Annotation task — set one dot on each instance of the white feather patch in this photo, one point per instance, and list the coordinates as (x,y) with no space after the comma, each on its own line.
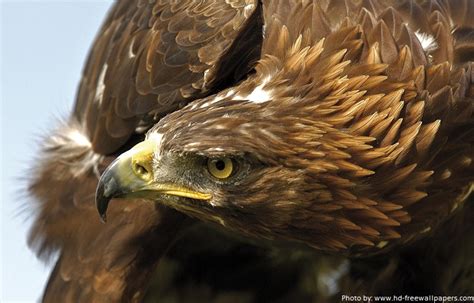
(248,9)
(131,54)
(79,138)
(155,136)
(428,42)
(258,95)
(70,145)
(331,279)
(99,91)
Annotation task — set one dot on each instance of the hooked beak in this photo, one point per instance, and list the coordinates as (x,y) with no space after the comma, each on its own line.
(131,176)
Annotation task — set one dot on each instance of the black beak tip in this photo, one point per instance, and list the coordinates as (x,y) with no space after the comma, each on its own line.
(102,202)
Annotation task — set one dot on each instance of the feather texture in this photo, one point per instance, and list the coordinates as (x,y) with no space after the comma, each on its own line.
(361,113)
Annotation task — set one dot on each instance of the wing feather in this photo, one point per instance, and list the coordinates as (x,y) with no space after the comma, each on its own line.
(150,58)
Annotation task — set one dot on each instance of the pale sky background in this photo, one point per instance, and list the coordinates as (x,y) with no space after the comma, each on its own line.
(43,48)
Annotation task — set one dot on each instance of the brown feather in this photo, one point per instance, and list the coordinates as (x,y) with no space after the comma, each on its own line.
(158,56)
(363,135)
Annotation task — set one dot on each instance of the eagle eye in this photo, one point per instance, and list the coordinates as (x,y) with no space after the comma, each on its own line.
(220,168)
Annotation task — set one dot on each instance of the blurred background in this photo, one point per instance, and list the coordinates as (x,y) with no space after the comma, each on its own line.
(43,47)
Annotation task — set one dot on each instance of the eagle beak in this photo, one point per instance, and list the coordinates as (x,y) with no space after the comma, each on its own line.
(131,176)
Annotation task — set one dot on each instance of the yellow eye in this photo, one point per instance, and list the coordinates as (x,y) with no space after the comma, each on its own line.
(220,168)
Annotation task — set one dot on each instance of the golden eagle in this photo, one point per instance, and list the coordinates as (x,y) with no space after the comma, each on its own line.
(265,151)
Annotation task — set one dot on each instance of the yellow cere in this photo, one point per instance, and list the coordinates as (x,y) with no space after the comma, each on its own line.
(142,160)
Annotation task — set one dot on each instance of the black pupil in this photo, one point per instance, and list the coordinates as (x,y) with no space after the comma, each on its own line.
(220,164)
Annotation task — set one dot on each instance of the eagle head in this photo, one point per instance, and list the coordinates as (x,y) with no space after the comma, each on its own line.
(266,169)
(305,150)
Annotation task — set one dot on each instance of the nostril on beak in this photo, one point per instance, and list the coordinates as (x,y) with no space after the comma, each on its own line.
(142,171)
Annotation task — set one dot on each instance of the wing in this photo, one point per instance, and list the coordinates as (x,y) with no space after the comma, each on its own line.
(97,262)
(152,57)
